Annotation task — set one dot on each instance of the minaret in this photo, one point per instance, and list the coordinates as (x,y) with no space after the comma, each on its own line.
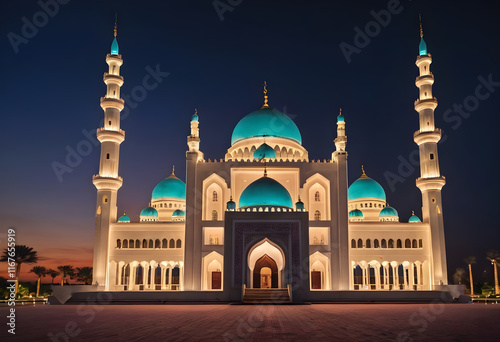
(340,235)
(107,181)
(194,139)
(430,181)
(341,140)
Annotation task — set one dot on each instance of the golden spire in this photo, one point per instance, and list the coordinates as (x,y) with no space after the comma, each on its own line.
(412,213)
(116,19)
(195,111)
(124,212)
(421,30)
(363,171)
(265,105)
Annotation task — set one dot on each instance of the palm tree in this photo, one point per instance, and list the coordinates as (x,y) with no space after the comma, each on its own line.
(459,275)
(52,273)
(66,270)
(494,257)
(84,274)
(23,255)
(469,261)
(40,271)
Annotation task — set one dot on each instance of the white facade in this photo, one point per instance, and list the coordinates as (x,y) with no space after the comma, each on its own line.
(267,216)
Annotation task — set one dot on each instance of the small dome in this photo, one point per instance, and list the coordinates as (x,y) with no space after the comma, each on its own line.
(149,212)
(230,204)
(114,47)
(265,191)
(124,219)
(266,122)
(388,211)
(264,151)
(179,213)
(422,47)
(356,213)
(194,117)
(299,205)
(365,187)
(414,218)
(171,187)
(340,118)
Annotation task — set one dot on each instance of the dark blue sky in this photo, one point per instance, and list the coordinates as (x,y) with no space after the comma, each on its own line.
(51,88)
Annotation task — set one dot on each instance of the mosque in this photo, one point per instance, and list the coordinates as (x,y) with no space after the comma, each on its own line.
(267,219)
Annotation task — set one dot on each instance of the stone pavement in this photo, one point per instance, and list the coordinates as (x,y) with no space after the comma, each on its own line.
(319,322)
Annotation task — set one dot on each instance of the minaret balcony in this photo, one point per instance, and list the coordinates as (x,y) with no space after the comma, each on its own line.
(108,102)
(112,79)
(426,104)
(424,80)
(431,183)
(104,135)
(116,59)
(427,137)
(424,59)
(107,183)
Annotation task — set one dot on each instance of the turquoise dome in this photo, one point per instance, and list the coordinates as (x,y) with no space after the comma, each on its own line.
(299,205)
(264,151)
(414,218)
(171,187)
(194,117)
(388,211)
(179,213)
(356,213)
(266,122)
(149,212)
(422,47)
(124,219)
(340,118)
(265,191)
(231,205)
(365,187)
(114,47)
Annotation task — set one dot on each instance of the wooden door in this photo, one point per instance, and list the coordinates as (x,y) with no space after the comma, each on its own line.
(216,280)
(316,280)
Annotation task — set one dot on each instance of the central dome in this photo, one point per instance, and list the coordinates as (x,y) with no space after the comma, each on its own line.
(265,191)
(171,187)
(266,122)
(365,187)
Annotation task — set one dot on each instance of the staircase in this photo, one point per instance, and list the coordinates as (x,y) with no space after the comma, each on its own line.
(266,296)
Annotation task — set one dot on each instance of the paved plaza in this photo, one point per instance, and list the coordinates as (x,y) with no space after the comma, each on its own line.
(319,322)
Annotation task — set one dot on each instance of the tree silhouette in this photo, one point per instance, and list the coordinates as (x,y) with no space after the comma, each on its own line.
(494,257)
(66,270)
(40,271)
(23,255)
(84,274)
(52,273)
(469,261)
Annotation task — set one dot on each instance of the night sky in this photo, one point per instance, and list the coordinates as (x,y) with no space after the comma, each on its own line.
(51,88)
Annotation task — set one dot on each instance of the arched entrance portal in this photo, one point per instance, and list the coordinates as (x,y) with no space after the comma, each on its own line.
(266,262)
(265,273)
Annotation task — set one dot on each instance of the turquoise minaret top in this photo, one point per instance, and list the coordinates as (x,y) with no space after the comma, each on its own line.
(114,45)
(422,47)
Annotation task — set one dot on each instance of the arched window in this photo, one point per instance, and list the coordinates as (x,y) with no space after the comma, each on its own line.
(144,243)
(317,215)
(384,243)
(118,243)
(157,243)
(175,275)
(414,244)
(407,243)
(214,196)
(137,244)
(376,244)
(420,243)
(170,205)
(139,275)
(353,243)
(368,243)
(217,240)
(178,244)
(164,243)
(125,243)
(360,243)
(391,243)
(371,205)
(131,243)
(171,243)
(211,240)
(214,215)
(399,244)
(316,197)
(161,205)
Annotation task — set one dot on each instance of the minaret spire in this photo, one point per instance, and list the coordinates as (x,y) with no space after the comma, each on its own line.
(115,29)
(421,30)
(341,140)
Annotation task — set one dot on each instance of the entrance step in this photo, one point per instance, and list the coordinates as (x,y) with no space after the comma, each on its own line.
(266,296)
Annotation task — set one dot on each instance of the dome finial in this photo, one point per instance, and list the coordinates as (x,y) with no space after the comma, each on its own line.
(412,213)
(173,170)
(363,170)
(116,19)
(265,105)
